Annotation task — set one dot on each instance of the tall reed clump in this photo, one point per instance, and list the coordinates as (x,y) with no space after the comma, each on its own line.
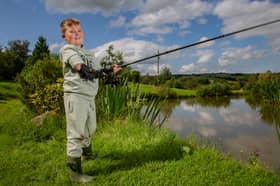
(122,102)
(271,90)
(265,86)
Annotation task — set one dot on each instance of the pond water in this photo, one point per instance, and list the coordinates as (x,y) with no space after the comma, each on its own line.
(237,127)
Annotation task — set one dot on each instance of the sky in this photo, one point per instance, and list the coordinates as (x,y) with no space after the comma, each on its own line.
(141,28)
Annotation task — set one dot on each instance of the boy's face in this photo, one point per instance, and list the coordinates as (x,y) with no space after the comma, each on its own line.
(74,35)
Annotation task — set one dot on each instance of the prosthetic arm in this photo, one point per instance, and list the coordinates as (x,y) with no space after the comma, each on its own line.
(89,73)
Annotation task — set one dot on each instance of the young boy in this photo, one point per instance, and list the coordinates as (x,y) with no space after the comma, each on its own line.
(81,72)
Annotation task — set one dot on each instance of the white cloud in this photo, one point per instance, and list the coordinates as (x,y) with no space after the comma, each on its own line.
(184,24)
(235,55)
(118,22)
(156,13)
(203,70)
(55,46)
(275,44)
(207,44)
(184,32)
(151,30)
(106,7)
(204,56)
(202,21)
(154,6)
(178,12)
(152,69)
(238,14)
(160,39)
(187,68)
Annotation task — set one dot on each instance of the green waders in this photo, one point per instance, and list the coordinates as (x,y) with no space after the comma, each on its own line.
(75,171)
(88,154)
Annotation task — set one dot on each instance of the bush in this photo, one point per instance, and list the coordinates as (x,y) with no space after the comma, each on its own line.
(50,98)
(36,81)
(214,90)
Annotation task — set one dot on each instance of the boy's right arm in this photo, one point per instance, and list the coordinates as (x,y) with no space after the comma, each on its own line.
(89,73)
(69,55)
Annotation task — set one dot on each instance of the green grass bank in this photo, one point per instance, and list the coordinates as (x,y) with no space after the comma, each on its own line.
(128,154)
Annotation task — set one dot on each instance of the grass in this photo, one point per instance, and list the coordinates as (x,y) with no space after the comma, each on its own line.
(128,154)
(8,90)
(155,90)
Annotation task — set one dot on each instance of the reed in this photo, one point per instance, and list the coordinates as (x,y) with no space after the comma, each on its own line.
(122,102)
(266,87)
(271,90)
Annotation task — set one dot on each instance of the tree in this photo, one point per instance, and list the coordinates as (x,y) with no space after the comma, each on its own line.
(7,65)
(20,50)
(165,75)
(112,58)
(135,76)
(40,52)
(108,60)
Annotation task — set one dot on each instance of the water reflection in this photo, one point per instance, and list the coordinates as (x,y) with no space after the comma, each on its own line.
(240,126)
(268,112)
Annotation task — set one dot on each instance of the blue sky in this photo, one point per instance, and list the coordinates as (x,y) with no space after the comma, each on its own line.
(139,28)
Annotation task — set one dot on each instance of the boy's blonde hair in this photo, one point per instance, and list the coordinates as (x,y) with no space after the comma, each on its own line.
(66,23)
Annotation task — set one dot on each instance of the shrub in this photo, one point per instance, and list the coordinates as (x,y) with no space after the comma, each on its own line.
(214,90)
(50,98)
(36,80)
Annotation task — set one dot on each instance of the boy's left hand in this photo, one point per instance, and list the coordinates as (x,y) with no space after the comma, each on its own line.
(116,68)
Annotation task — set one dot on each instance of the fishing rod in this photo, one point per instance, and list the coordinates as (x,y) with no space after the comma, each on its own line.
(201,42)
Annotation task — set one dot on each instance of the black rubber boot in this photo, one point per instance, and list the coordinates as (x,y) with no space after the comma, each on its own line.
(88,154)
(76,175)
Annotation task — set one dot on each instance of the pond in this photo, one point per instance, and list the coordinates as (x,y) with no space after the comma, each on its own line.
(239,127)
